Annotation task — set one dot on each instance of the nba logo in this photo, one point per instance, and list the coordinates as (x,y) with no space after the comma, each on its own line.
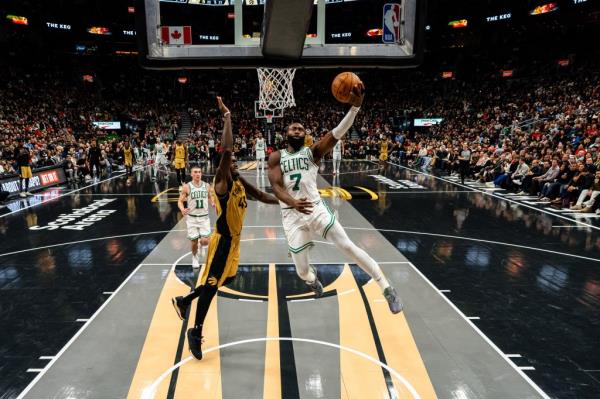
(391,23)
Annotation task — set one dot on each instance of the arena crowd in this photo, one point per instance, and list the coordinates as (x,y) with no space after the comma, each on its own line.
(536,135)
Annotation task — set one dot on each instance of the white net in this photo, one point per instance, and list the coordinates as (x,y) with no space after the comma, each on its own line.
(276,90)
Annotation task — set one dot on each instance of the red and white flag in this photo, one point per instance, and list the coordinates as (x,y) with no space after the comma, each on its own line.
(176,35)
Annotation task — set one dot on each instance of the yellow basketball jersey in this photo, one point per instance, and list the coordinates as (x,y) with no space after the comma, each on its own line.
(308,140)
(179,152)
(128,154)
(384,147)
(231,209)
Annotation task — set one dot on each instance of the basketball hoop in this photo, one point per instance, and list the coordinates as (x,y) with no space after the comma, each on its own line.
(276,90)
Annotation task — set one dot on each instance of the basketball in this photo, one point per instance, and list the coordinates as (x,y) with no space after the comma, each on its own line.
(342,85)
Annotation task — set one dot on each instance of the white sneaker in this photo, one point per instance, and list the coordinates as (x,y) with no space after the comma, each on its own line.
(22,194)
(195,262)
(27,193)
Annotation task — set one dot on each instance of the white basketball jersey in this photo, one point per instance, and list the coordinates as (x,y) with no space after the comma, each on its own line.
(337,149)
(160,149)
(299,175)
(260,145)
(197,200)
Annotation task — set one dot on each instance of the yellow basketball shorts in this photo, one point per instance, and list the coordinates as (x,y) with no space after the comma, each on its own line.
(383,156)
(26,172)
(179,163)
(222,260)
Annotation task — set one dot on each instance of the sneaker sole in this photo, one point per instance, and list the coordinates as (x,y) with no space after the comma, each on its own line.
(174,302)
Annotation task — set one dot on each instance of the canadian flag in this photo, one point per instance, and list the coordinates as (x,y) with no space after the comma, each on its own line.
(175,35)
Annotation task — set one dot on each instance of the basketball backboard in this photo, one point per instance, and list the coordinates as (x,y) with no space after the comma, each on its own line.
(227,33)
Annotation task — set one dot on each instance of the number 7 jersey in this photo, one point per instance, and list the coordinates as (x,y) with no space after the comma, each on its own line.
(299,175)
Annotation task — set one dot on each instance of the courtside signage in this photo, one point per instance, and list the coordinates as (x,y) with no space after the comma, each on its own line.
(397,184)
(80,218)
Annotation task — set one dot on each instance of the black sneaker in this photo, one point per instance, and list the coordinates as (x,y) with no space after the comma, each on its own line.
(393,300)
(180,307)
(316,285)
(195,343)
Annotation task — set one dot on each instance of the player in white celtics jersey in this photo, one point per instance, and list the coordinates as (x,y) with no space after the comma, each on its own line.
(293,176)
(198,196)
(337,156)
(259,149)
(160,158)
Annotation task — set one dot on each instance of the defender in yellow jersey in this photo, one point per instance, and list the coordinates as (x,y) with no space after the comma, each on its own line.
(179,162)
(128,157)
(224,247)
(384,147)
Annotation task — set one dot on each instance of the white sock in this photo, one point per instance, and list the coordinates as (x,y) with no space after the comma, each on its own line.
(303,268)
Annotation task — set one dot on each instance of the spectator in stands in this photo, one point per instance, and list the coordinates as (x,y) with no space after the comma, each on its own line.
(588,196)
(549,176)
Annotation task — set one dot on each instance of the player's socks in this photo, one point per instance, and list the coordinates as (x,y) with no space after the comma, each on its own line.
(195,261)
(382,282)
(315,285)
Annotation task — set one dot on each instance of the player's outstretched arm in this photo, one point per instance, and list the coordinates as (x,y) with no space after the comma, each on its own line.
(258,194)
(326,144)
(276,179)
(223,177)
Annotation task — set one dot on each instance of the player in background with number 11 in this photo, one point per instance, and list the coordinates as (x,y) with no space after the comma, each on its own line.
(197,194)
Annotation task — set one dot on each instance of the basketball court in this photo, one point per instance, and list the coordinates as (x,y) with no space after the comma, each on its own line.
(485,276)
(109,292)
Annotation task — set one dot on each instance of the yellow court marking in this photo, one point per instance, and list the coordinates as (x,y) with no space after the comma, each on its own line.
(373,195)
(399,347)
(202,379)
(359,378)
(272,380)
(157,196)
(160,348)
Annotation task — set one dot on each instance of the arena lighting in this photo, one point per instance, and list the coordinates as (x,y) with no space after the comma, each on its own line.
(459,23)
(230,15)
(88,78)
(447,74)
(374,32)
(507,73)
(182,79)
(564,62)
(544,9)
(131,9)
(99,30)
(17,20)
